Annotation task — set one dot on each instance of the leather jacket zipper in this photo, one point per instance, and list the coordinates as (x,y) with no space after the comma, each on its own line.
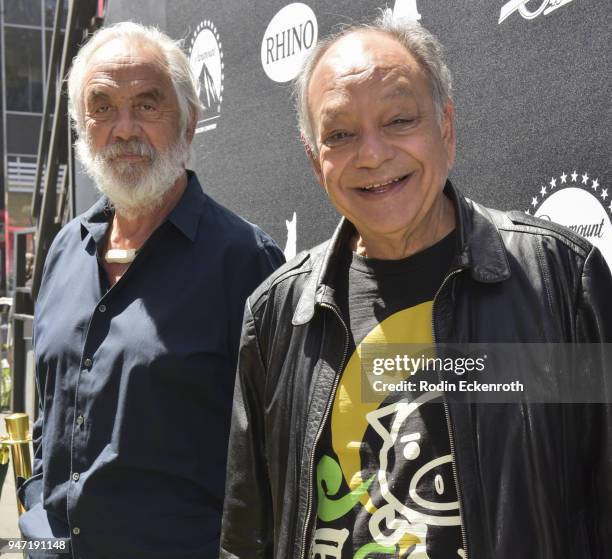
(321,427)
(449,427)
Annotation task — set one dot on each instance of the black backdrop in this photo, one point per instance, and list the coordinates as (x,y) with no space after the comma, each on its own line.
(531,88)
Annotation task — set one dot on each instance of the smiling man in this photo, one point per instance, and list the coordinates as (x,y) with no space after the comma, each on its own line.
(318,470)
(137,321)
(383,164)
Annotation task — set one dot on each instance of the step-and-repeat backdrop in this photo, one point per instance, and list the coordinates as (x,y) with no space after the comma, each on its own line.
(531,88)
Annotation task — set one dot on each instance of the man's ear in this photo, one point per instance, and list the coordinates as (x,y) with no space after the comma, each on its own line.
(447,127)
(314,160)
(190,132)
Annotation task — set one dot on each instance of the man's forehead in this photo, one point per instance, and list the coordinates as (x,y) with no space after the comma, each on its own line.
(127,63)
(125,50)
(362,53)
(358,58)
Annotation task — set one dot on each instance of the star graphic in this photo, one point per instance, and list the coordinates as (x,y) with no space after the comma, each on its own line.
(604,193)
(534,201)
(529,213)
(543,191)
(574,176)
(585,178)
(563,178)
(595,184)
(553,183)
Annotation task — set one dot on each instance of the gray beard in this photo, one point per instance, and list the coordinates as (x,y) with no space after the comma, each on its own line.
(133,188)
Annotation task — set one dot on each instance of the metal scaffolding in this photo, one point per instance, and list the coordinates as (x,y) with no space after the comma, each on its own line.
(53,200)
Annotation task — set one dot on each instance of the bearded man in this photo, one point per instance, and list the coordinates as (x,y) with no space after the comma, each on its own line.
(138,319)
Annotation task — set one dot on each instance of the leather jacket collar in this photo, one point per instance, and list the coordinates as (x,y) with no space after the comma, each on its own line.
(479,248)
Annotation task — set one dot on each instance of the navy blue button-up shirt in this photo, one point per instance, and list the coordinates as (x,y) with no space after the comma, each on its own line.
(136,380)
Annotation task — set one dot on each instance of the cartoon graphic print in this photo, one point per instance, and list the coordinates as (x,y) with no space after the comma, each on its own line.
(390,479)
(415,494)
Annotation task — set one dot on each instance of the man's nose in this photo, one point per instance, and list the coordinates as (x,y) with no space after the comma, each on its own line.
(126,125)
(373,149)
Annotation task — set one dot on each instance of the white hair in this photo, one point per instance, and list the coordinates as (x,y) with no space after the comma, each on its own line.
(417,40)
(182,78)
(131,189)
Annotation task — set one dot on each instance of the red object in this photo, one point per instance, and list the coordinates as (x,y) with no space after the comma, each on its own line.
(9,236)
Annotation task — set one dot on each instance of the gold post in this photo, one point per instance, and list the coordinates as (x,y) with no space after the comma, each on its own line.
(17,425)
(4,453)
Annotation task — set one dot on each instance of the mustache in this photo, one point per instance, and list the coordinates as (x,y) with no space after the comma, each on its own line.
(127,147)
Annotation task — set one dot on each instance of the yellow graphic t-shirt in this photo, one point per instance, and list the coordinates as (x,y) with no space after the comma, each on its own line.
(384,478)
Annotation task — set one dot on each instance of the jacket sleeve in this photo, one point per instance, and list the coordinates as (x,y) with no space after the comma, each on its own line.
(594,325)
(594,312)
(247,516)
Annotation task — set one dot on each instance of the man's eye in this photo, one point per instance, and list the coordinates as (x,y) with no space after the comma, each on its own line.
(337,137)
(147,108)
(401,121)
(102,109)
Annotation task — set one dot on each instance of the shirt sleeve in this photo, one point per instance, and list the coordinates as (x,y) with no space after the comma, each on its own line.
(30,490)
(249,275)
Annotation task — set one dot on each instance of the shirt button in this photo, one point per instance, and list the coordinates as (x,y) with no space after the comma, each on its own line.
(102,308)
(75,476)
(79,420)
(88,362)
(76,530)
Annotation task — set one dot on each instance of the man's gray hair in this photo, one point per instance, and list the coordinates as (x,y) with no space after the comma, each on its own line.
(177,64)
(419,42)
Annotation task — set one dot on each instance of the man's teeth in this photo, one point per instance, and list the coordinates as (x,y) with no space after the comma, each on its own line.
(371,186)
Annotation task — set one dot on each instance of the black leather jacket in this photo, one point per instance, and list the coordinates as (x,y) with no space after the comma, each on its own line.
(534,481)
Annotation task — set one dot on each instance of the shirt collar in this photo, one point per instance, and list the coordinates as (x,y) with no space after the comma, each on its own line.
(94,222)
(185,216)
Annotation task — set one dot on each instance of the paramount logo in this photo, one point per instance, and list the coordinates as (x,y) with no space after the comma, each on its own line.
(580,203)
(586,230)
(206,61)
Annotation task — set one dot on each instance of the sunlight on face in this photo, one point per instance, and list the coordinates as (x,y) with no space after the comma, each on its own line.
(384,155)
